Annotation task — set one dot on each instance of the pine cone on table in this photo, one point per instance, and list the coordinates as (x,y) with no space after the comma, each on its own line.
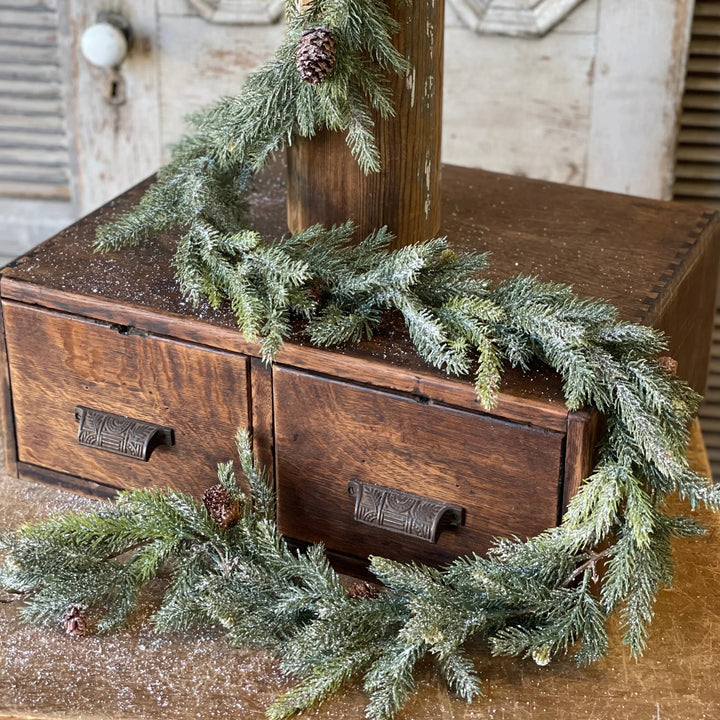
(75,621)
(315,54)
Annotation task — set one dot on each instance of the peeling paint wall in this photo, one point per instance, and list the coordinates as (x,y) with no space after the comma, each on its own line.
(594,102)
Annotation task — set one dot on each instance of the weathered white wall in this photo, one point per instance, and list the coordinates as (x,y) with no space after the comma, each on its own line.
(594,102)
(521,105)
(116,144)
(639,74)
(214,64)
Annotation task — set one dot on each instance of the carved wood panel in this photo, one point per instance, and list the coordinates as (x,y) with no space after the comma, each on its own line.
(240,12)
(513,17)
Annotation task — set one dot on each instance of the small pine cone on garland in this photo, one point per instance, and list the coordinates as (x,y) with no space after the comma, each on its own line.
(668,364)
(315,54)
(221,506)
(363,590)
(75,620)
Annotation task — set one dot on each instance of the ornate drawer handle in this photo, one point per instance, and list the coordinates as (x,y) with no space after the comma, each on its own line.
(121,435)
(403,512)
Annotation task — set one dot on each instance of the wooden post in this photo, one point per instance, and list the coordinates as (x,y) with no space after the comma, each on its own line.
(325,184)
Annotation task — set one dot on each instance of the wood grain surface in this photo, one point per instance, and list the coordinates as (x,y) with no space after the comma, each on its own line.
(636,253)
(507,477)
(387,361)
(326,185)
(58,362)
(637,80)
(7,420)
(262,426)
(584,429)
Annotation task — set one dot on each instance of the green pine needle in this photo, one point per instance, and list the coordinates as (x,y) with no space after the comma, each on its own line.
(536,598)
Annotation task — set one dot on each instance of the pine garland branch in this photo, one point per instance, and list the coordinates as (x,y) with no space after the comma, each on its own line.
(535,598)
(522,597)
(210,170)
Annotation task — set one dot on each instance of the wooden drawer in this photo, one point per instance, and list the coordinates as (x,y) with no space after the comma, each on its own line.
(507,477)
(62,362)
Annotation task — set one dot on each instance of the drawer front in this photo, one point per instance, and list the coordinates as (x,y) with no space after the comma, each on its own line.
(506,477)
(58,362)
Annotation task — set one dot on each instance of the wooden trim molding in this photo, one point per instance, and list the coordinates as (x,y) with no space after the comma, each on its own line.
(7,416)
(240,12)
(513,17)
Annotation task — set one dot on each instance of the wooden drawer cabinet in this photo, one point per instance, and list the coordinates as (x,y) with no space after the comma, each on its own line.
(62,362)
(372,451)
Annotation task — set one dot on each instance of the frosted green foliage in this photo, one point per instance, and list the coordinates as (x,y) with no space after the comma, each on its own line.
(208,176)
(340,290)
(535,598)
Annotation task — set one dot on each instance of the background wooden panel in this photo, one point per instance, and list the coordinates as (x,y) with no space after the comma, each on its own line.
(506,476)
(61,362)
(215,63)
(116,145)
(26,221)
(526,109)
(240,11)
(36,157)
(31,207)
(591,103)
(513,17)
(697,170)
(639,74)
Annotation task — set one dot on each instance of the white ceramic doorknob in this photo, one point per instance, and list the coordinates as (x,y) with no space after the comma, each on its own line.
(104,45)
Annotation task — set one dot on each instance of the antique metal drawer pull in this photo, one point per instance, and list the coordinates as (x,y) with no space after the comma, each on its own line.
(122,435)
(403,512)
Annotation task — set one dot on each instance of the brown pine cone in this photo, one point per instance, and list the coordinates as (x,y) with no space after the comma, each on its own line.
(362,590)
(75,620)
(315,54)
(668,364)
(221,506)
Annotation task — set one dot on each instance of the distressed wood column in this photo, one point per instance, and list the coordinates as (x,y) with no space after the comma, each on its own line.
(325,184)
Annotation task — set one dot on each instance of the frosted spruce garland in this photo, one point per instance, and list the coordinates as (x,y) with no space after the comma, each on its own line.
(536,598)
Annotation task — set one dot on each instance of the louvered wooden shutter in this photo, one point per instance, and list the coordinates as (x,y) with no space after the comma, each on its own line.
(698,155)
(697,173)
(34,156)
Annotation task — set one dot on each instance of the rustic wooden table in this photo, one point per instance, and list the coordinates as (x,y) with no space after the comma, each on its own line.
(138,674)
